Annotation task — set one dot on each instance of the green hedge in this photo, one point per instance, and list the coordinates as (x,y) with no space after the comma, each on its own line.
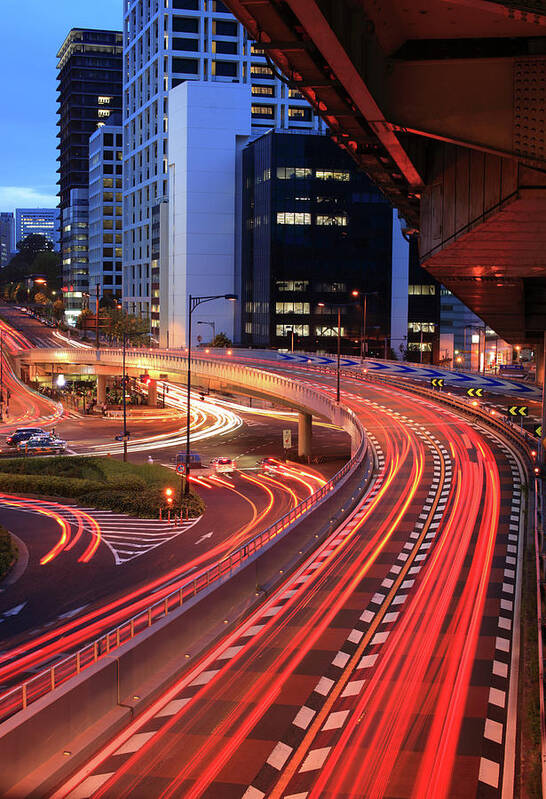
(98,482)
(8,551)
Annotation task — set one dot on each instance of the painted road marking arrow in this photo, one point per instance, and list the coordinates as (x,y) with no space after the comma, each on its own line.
(14,611)
(204,538)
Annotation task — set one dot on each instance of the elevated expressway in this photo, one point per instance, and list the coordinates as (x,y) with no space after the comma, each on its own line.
(443,105)
(384,664)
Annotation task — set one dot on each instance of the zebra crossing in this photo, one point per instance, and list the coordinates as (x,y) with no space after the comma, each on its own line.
(129,538)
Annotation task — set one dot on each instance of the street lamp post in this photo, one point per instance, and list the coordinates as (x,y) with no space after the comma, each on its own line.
(364,299)
(1,375)
(211,324)
(322,305)
(193,303)
(124,400)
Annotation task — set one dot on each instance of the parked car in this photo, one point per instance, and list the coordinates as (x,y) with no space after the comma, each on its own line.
(42,445)
(23,434)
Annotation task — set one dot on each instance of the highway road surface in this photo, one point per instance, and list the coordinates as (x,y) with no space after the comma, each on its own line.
(385,665)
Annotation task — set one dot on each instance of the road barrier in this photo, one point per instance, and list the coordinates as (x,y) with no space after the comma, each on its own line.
(43,683)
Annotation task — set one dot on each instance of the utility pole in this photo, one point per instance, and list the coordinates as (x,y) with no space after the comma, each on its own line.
(97,318)
(1,375)
(338,350)
(124,388)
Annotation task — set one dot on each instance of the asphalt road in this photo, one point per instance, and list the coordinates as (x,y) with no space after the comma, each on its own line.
(384,666)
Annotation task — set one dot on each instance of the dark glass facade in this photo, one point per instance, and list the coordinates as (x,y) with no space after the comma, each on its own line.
(314,230)
(89,91)
(423,311)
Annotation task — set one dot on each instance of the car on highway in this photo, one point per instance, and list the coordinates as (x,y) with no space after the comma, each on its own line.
(42,445)
(23,434)
(223,464)
(269,464)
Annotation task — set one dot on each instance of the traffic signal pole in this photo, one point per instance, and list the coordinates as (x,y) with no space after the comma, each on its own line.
(543,448)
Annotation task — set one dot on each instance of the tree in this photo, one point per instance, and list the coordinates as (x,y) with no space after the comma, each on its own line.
(31,245)
(58,310)
(80,321)
(221,340)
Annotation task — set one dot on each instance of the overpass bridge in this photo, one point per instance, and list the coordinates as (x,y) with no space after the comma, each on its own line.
(443,105)
(208,373)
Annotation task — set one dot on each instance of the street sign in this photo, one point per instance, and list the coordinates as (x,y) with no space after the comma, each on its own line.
(475,392)
(122,437)
(538,431)
(517,410)
(287,439)
(437,382)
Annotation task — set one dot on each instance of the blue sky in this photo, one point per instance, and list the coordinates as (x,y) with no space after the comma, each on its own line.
(31,32)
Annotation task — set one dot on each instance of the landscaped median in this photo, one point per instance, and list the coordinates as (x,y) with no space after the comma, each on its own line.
(138,490)
(8,551)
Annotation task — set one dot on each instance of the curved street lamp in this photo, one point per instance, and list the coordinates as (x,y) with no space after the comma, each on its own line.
(193,303)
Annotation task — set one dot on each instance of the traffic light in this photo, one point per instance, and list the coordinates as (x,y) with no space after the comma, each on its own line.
(169,496)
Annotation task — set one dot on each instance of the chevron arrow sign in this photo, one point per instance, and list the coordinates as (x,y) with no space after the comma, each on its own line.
(517,410)
(475,392)
(437,382)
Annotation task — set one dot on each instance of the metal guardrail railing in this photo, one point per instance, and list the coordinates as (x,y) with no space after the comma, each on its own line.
(29,691)
(540,579)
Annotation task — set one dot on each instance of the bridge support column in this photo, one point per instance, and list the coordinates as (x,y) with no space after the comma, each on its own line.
(101,389)
(539,361)
(152,394)
(305,432)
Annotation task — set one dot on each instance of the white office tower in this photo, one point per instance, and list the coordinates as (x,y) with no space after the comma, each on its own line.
(105,210)
(166,43)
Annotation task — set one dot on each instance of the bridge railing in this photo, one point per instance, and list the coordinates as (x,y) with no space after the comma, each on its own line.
(43,683)
(249,377)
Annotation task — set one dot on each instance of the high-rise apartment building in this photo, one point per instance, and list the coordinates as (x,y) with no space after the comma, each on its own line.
(89,91)
(166,44)
(39,221)
(105,209)
(7,237)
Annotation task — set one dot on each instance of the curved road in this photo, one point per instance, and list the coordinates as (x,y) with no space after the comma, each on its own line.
(383,666)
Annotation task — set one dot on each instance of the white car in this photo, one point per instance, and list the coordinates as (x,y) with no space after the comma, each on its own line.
(223,464)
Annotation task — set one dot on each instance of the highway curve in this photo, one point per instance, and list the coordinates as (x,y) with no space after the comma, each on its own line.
(385,666)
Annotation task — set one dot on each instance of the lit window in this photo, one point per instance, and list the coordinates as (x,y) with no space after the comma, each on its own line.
(287,330)
(323,174)
(104,100)
(294,94)
(289,218)
(328,331)
(264,91)
(425,290)
(421,327)
(103,113)
(292,285)
(263,71)
(338,220)
(262,110)
(287,172)
(292,307)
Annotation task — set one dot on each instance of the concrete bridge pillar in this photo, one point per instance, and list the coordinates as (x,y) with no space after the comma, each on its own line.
(305,432)
(152,394)
(101,389)
(539,360)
